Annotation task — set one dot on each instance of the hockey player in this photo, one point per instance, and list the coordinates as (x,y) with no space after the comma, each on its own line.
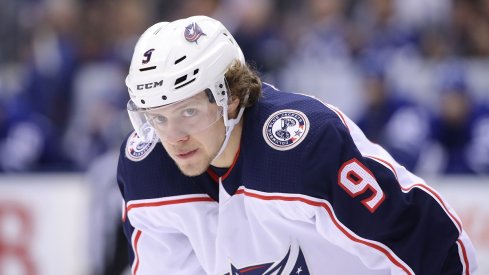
(226,175)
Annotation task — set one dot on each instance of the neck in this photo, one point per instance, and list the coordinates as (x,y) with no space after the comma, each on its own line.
(225,160)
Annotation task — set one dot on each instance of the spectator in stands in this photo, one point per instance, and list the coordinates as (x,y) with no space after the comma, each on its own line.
(388,118)
(30,143)
(459,127)
(321,62)
(380,28)
(260,36)
(470,28)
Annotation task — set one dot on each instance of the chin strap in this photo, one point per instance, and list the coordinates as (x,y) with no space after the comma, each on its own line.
(230,123)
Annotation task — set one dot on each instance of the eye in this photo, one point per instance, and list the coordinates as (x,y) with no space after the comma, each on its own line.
(159,119)
(189,112)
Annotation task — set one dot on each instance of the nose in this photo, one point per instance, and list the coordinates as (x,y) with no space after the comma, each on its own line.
(173,134)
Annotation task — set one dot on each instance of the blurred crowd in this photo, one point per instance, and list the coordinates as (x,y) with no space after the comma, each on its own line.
(413,74)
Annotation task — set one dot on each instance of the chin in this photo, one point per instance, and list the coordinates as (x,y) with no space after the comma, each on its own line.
(192,170)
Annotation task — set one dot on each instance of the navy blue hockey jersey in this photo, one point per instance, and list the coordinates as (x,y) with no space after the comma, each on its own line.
(307,193)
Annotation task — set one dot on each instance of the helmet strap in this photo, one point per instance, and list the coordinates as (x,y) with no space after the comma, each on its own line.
(230,123)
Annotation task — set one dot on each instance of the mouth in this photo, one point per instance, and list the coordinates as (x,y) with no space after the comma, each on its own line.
(187,154)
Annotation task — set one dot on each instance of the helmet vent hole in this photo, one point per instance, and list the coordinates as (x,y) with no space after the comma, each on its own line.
(196,71)
(164,97)
(186,83)
(180,59)
(180,79)
(142,101)
(147,68)
(223,93)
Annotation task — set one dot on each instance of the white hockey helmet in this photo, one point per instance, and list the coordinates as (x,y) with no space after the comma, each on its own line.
(174,61)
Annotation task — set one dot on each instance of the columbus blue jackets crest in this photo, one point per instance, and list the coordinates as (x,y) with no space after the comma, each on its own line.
(193,32)
(137,149)
(285,129)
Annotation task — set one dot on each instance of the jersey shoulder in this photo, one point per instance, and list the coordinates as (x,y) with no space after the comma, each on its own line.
(296,143)
(146,171)
(275,100)
(288,119)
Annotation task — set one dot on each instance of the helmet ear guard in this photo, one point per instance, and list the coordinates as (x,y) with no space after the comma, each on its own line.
(221,92)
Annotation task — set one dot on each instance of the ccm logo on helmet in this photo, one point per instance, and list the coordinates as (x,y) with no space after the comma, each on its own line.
(149,85)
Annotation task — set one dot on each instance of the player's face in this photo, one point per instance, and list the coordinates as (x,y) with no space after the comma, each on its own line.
(191,149)
(194,153)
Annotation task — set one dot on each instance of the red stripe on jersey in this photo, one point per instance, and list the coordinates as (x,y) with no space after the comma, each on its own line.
(333,219)
(251,268)
(155,204)
(232,165)
(340,115)
(168,202)
(386,163)
(428,189)
(432,192)
(464,253)
(213,174)
(124,211)
(136,253)
(424,187)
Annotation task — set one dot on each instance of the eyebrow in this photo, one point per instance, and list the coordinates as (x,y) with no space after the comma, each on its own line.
(171,109)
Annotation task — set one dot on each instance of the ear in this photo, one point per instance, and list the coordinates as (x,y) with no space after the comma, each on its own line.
(233,107)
